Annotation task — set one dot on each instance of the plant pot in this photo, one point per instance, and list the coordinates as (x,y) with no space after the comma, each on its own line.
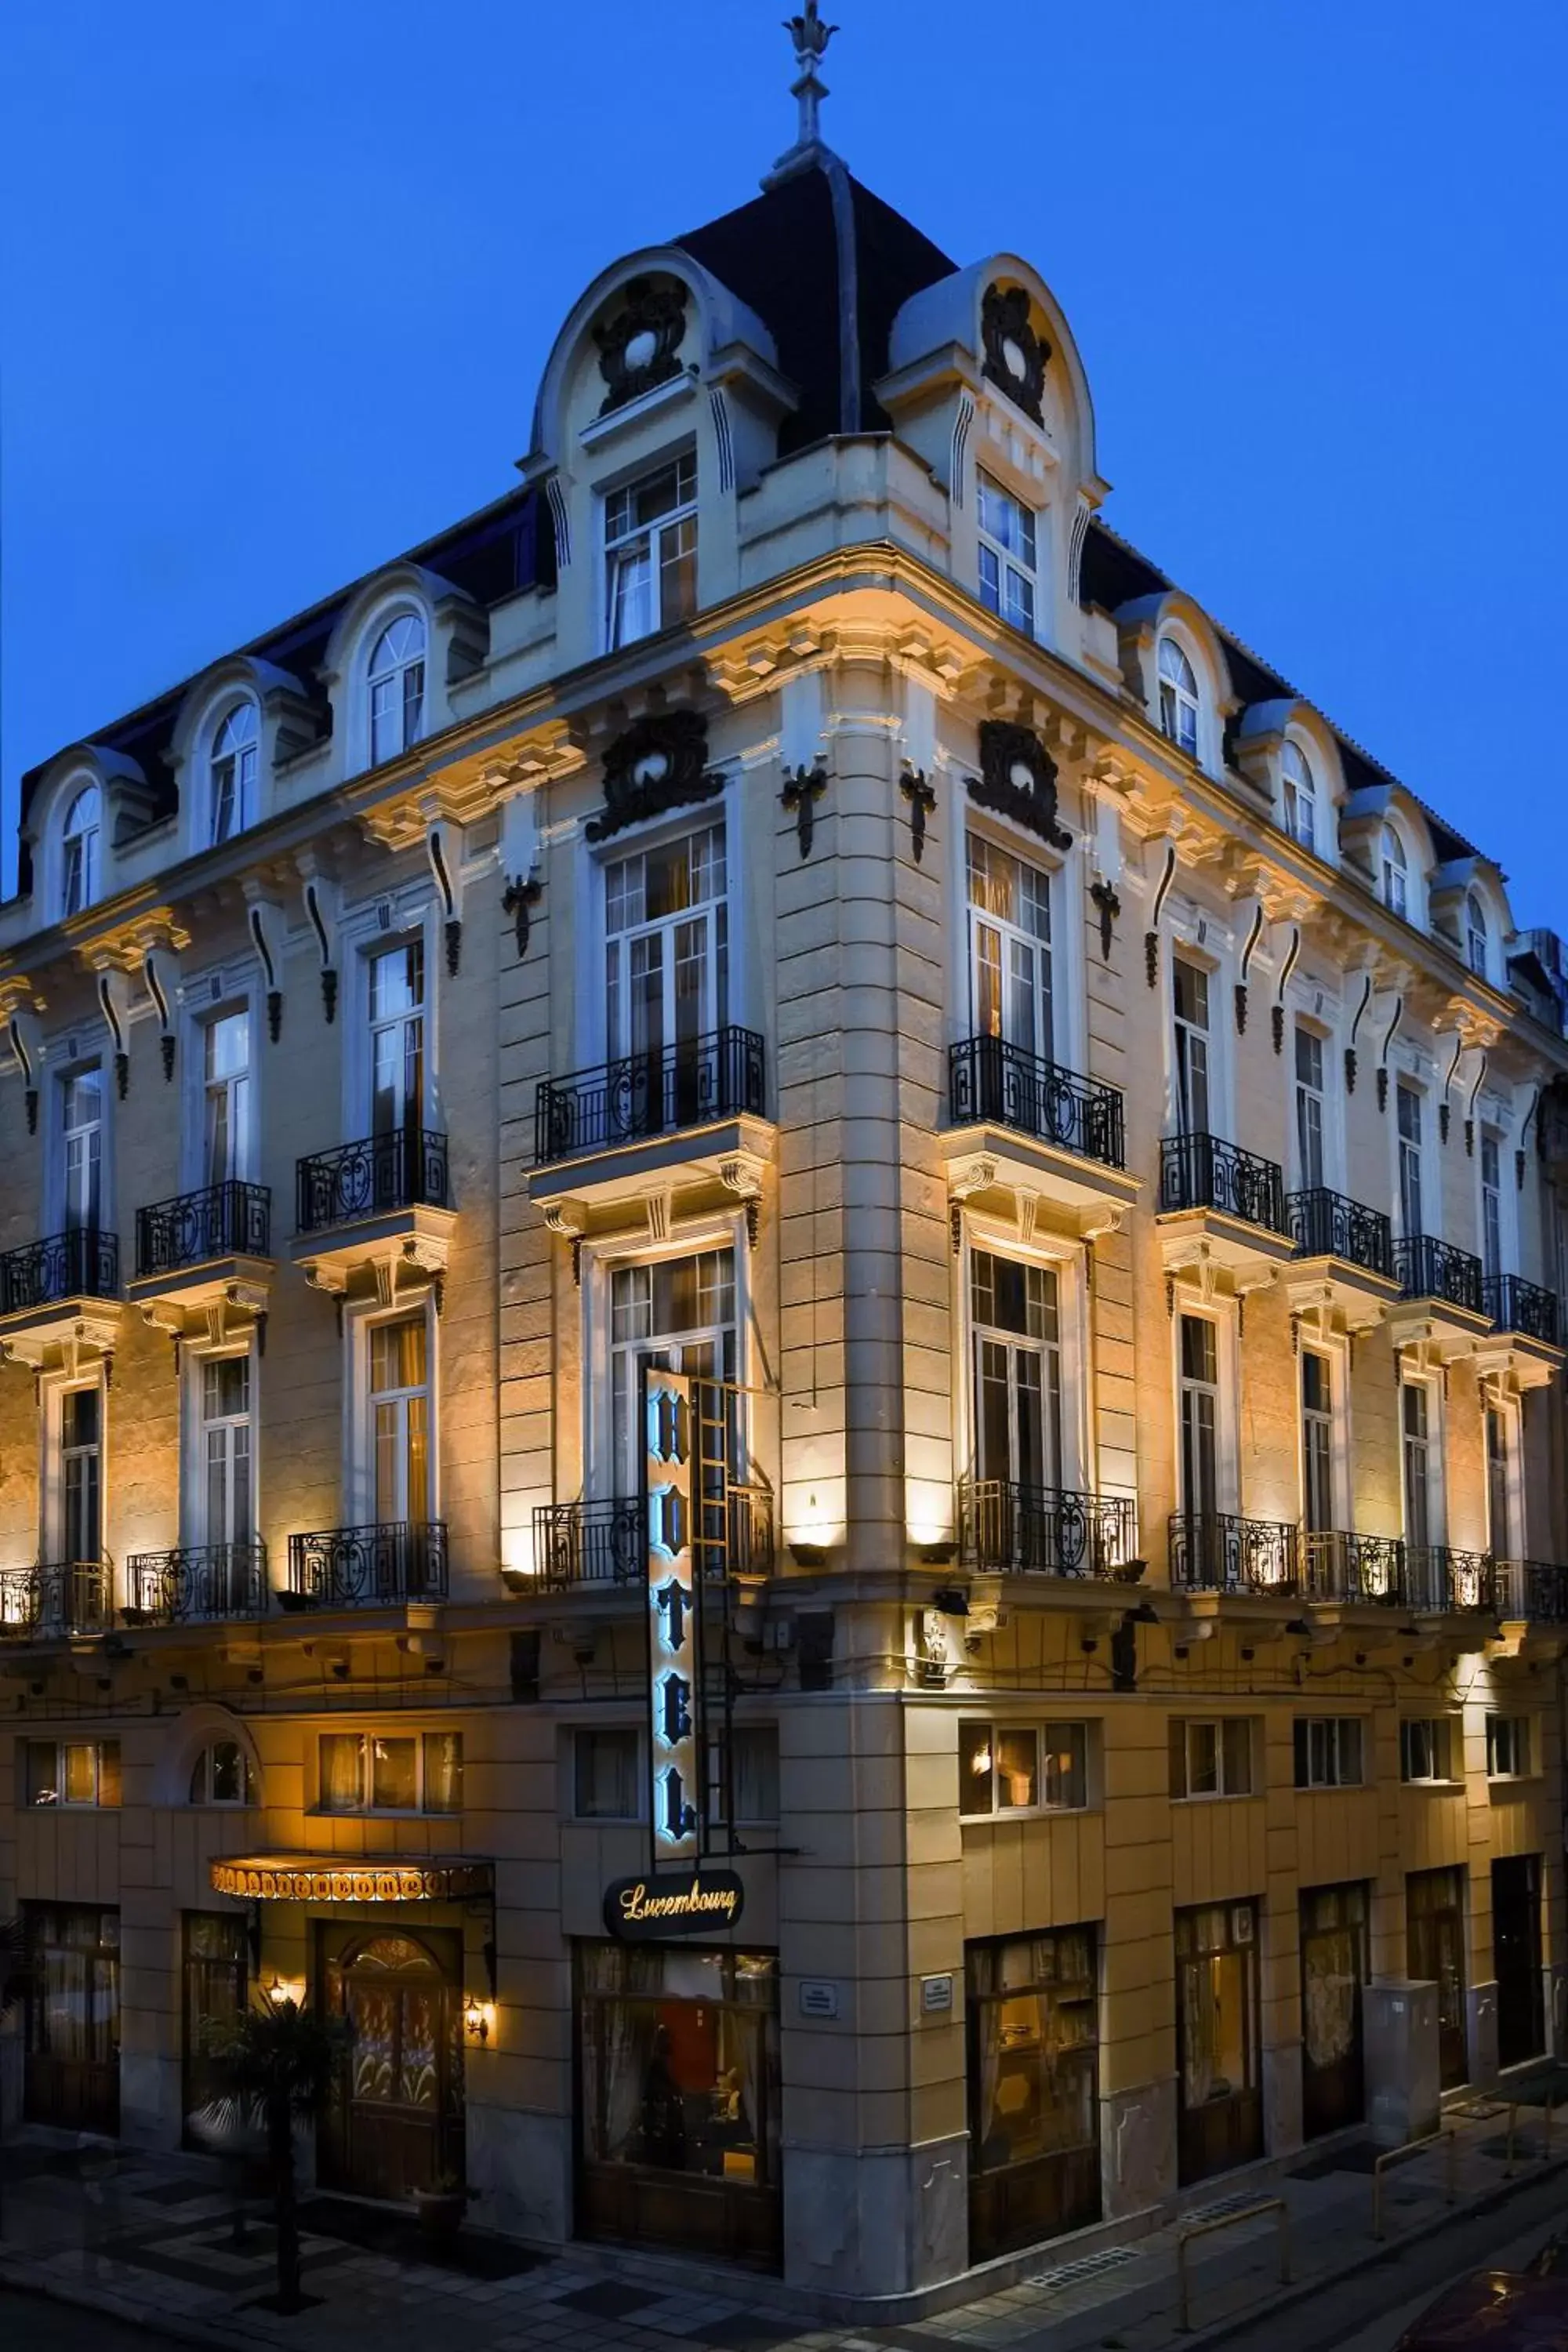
(440,2213)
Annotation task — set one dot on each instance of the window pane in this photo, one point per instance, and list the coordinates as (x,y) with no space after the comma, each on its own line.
(42,1780)
(1203,1759)
(81,1774)
(393,1775)
(342,1757)
(1018,1770)
(606,1775)
(1065,1765)
(227,1765)
(443,1772)
(1238,1738)
(976,1768)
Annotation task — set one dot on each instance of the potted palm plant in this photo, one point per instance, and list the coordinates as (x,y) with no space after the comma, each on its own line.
(280,2062)
(441,2208)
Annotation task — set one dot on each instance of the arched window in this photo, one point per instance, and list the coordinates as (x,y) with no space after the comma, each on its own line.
(235,748)
(221,1775)
(1300,797)
(78,844)
(396,687)
(1475,935)
(1178,697)
(1395,872)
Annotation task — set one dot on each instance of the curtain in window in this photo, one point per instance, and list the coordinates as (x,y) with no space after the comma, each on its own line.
(342,1771)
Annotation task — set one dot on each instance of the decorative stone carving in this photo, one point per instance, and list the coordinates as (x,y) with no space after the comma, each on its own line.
(1104,895)
(637,347)
(519,899)
(1018,779)
(1015,356)
(659,763)
(804,787)
(921,797)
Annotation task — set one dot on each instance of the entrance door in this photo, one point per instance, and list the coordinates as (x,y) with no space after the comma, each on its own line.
(1220,2118)
(71,2075)
(1516,1958)
(1434,1954)
(1334,1970)
(395,2122)
(1034,2104)
(216,1979)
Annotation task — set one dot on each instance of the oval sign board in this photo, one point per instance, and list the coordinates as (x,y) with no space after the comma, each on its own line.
(672,1903)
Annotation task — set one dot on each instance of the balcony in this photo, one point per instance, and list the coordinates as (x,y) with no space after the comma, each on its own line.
(1341,1565)
(600,1544)
(1217,1552)
(1221,1206)
(1441,1582)
(1019,1124)
(1527,1336)
(1344,1254)
(378,1567)
(382,1201)
(63,1601)
(1005,1529)
(690,1113)
(1533,1591)
(203,1251)
(1441,1304)
(64,1287)
(196,1584)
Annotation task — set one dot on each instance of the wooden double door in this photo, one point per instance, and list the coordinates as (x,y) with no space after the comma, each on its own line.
(395,2123)
(1434,1954)
(1516,1958)
(71,2074)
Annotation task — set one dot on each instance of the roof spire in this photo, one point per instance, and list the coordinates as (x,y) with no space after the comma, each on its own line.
(811,37)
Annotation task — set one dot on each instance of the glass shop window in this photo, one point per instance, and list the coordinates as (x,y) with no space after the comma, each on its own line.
(680,2061)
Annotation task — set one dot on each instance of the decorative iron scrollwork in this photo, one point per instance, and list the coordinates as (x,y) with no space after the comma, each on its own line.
(1018,779)
(1015,356)
(804,787)
(519,899)
(921,794)
(637,347)
(661,762)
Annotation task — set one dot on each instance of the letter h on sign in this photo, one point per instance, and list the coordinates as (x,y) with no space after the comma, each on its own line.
(675,1727)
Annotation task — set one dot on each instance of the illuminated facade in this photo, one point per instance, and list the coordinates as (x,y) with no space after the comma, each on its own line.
(786,893)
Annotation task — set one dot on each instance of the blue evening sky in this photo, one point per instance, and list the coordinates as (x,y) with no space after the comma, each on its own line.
(279,279)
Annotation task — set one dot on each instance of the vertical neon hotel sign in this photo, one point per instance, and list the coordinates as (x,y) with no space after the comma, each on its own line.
(675,1748)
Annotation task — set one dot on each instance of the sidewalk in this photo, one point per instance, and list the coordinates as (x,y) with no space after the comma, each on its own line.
(149,2238)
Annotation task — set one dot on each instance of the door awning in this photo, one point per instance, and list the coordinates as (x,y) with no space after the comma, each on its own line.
(324,1878)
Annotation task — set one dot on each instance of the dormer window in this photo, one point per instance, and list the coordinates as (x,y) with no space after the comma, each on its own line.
(1178,698)
(235,748)
(1008,560)
(1300,797)
(78,844)
(397,688)
(1475,935)
(650,552)
(1395,873)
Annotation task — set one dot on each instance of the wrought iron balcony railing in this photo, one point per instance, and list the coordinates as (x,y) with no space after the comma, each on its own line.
(368,1568)
(603,1541)
(680,1086)
(231,1220)
(1341,1565)
(1204,1171)
(1217,1552)
(1325,1225)
(989,1079)
(1532,1589)
(1515,1305)
(56,1601)
(403,1170)
(1429,1268)
(83,1263)
(1439,1581)
(196,1584)
(1008,1529)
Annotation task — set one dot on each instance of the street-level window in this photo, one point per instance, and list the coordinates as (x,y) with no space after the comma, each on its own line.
(1220,2120)
(1034,2120)
(1178,697)
(364,1771)
(606,1784)
(1426,1748)
(1300,797)
(1329,1752)
(1309,1107)
(1008,559)
(221,1775)
(650,552)
(71,1771)
(1024,1768)
(1507,1747)
(1211,1757)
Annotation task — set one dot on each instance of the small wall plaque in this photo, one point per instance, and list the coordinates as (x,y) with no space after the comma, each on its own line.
(818,1998)
(936,1995)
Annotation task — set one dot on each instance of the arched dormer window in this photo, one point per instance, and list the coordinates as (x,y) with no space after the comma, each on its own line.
(397,688)
(222,1775)
(1395,873)
(1476,935)
(1178,698)
(236,747)
(1300,796)
(79,838)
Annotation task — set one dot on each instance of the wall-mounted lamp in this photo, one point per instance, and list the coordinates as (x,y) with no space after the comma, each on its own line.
(478,2018)
(279,1991)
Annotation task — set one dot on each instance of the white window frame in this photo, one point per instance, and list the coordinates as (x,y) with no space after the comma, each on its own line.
(396,671)
(1406,1081)
(360,1318)
(1336,1348)
(250,1779)
(1220,1795)
(413,916)
(589,1017)
(245,758)
(1332,1728)
(1066,1259)
(53,1387)
(1022,564)
(385,1728)
(92,837)
(63,1804)
(1221,1313)
(1063,872)
(194,1355)
(1436,1456)
(1454,1740)
(1394,872)
(1329,1121)
(1509,1411)
(1185,703)
(61,1065)
(1519,1723)
(1493,1131)
(1298,789)
(687,509)
(1478,938)
(996,1723)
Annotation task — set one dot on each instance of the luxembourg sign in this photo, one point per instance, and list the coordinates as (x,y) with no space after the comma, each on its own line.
(672,1903)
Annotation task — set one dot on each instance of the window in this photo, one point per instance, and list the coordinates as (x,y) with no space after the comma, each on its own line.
(1415,1411)
(1491,1201)
(1316,1442)
(400,1419)
(225,1099)
(1425,1747)
(1010,949)
(362,1772)
(228,1494)
(397,1039)
(1300,797)
(1309,1107)
(606,1785)
(221,1775)
(71,1771)
(1016,1339)
(81,1461)
(1507,1747)
(679,2056)
(233,786)
(1212,1757)
(1217,2025)
(1475,935)
(1395,871)
(680,1311)
(1191,986)
(1008,561)
(81,1140)
(650,552)
(1034,2095)
(754,1774)
(1500,1517)
(1199,1343)
(79,851)
(1328,1751)
(666,948)
(1028,1769)
(1178,697)
(1407,1109)
(396,687)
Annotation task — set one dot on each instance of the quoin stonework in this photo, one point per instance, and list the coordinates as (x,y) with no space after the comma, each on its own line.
(789,898)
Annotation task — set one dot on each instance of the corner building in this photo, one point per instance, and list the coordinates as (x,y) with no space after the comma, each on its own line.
(790,893)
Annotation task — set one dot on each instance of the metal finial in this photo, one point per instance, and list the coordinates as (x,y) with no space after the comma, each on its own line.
(811,37)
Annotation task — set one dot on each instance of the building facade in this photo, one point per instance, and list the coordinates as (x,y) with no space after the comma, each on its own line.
(790,897)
